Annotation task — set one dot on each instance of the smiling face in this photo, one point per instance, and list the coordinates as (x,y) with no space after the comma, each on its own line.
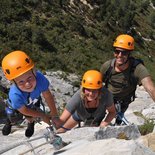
(91,94)
(121,56)
(26,82)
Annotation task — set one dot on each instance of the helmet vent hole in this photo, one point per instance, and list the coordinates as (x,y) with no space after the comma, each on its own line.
(7,71)
(84,81)
(27,60)
(18,67)
(98,82)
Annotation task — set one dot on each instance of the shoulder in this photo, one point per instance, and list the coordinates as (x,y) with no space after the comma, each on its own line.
(17,98)
(106,92)
(105,66)
(39,74)
(76,98)
(140,70)
(42,81)
(106,97)
(41,77)
(77,95)
(107,63)
(75,101)
(14,90)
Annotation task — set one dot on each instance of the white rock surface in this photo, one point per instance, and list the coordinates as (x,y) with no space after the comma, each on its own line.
(82,139)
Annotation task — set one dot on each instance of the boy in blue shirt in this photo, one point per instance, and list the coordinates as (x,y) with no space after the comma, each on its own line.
(24,95)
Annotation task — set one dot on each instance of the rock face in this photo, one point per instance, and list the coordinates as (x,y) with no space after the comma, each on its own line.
(120,132)
(82,142)
(85,140)
(106,147)
(148,141)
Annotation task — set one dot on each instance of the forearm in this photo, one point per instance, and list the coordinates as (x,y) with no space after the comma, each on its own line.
(107,120)
(49,99)
(152,94)
(30,112)
(149,87)
(52,107)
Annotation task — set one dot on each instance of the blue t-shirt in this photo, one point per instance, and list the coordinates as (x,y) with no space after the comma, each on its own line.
(18,98)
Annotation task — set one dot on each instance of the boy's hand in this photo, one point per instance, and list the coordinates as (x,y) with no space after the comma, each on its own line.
(57,122)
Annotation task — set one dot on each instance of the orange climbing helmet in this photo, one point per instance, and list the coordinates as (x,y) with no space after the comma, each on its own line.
(124,41)
(92,79)
(15,64)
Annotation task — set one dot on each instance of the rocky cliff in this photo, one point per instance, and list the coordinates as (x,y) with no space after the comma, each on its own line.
(86,140)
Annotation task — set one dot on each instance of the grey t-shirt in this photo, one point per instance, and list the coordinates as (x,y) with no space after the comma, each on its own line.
(76,104)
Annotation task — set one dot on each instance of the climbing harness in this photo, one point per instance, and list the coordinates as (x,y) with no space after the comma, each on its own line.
(120,115)
(123,119)
(16,117)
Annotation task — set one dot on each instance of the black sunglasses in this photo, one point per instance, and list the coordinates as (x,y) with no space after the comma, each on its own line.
(122,52)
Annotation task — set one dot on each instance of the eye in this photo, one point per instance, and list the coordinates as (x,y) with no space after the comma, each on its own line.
(20,82)
(31,78)
(98,82)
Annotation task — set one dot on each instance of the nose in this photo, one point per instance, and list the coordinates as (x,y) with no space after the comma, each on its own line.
(91,92)
(120,54)
(28,83)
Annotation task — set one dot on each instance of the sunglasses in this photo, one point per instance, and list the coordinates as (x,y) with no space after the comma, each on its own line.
(93,91)
(122,52)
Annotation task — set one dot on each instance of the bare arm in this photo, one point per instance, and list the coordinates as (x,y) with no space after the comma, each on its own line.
(111,114)
(50,102)
(68,122)
(65,115)
(33,113)
(149,86)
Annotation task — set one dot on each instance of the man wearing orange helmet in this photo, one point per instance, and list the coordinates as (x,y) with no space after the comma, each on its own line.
(25,92)
(124,73)
(89,104)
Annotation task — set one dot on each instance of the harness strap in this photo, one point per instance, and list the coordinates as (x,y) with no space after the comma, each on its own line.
(108,72)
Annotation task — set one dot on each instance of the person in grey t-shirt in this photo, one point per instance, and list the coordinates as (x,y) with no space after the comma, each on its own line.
(89,104)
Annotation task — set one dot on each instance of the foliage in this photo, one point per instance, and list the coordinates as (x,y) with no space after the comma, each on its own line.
(152,19)
(74,37)
(148,125)
(153,2)
(3,95)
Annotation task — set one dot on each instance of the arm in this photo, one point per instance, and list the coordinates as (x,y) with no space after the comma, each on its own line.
(149,86)
(65,115)
(33,113)
(68,122)
(111,114)
(50,102)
